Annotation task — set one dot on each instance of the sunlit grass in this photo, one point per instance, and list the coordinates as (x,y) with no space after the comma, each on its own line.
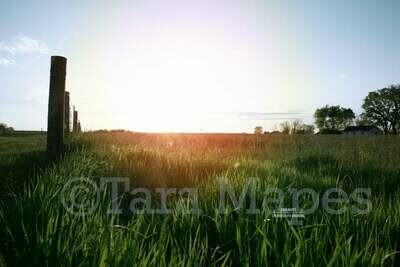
(36,229)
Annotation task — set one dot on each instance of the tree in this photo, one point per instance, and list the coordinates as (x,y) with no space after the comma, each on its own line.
(297,126)
(307,129)
(347,117)
(333,117)
(382,108)
(360,121)
(5,129)
(285,127)
(258,130)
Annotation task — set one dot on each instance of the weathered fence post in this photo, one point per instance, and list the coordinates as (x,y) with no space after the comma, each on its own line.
(75,122)
(66,113)
(55,116)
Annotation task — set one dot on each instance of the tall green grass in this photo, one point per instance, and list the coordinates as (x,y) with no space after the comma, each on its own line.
(35,228)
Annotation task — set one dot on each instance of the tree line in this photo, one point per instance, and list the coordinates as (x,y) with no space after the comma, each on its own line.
(4,129)
(381,108)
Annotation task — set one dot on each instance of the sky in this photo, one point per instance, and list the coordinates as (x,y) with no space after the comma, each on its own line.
(190,66)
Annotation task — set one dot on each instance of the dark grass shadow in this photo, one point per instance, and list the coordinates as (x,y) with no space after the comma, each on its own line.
(18,168)
(382,180)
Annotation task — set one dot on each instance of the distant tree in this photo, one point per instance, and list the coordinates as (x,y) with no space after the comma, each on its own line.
(360,121)
(321,118)
(285,127)
(258,130)
(307,129)
(382,108)
(4,129)
(333,117)
(347,117)
(296,126)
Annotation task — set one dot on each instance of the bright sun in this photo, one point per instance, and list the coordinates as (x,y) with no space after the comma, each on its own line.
(176,76)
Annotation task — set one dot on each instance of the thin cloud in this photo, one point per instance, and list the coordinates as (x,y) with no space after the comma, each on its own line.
(7,48)
(263,114)
(25,44)
(20,44)
(5,61)
(343,77)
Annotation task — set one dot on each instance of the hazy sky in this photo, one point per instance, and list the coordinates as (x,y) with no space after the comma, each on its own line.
(195,65)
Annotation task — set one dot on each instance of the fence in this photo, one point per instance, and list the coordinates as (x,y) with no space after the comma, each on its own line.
(58,118)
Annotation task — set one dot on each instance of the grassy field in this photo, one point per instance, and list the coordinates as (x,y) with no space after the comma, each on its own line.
(36,228)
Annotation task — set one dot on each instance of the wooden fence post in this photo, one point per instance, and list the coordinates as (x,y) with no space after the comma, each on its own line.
(75,122)
(66,113)
(55,116)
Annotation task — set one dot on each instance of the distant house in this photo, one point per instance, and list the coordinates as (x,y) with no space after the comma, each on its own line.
(362,130)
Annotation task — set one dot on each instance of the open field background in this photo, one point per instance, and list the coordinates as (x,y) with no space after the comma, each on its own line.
(35,228)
